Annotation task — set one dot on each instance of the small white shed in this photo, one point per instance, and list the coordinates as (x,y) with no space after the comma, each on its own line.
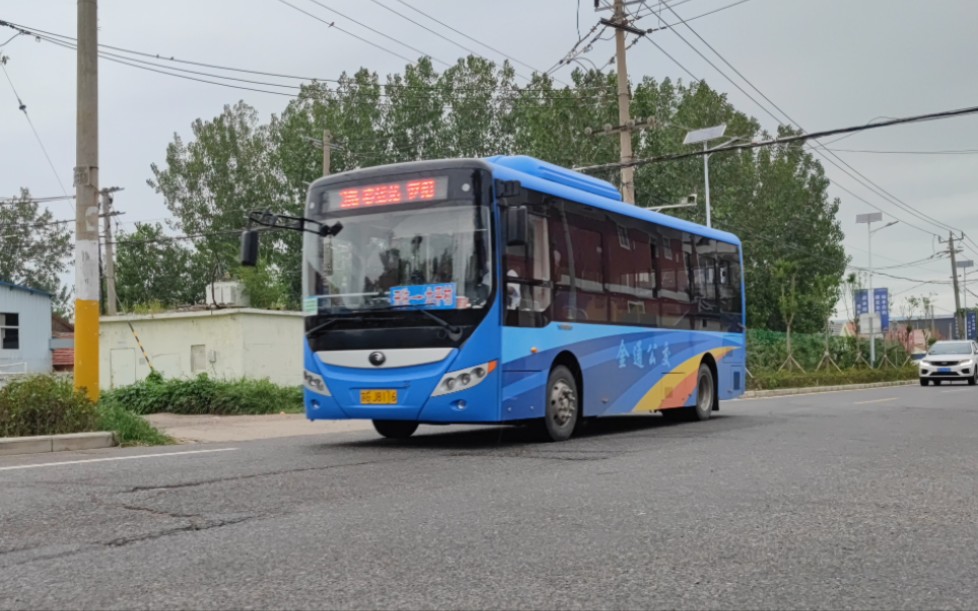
(25,330)
(225,344)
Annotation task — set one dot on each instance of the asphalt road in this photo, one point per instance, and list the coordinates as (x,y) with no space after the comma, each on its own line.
(854,500)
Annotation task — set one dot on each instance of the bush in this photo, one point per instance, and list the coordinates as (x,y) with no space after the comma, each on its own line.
(44,405)
(797,379)
(203,395)
(130,429)
(767,350)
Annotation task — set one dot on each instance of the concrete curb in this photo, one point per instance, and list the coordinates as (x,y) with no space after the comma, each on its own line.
(783,392)
(55,443)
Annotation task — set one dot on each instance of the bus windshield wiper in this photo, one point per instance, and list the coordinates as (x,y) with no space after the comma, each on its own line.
(454,331)
(329,322)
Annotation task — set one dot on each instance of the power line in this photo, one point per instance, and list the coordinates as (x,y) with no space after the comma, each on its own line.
(23,108)
(946,114)
(378,32)
(439,34)
(875,187)
(464,35)
(31,31)
(348,33)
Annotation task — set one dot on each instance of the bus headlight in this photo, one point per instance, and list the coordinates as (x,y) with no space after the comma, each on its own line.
(463,379)
(315,383)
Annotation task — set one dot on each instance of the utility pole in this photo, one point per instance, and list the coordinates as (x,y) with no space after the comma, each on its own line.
(110,298)
(959,323)
(326,152)
(624,101)
(86,204)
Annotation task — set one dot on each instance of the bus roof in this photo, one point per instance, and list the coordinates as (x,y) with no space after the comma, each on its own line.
(540,176)
(562,182)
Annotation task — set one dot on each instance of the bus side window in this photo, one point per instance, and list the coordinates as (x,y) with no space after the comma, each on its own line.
(528,273)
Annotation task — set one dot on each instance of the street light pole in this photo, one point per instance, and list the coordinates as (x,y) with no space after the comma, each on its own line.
(869,219)
(705,135)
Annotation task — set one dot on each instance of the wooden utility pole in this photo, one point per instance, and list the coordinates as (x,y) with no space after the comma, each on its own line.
(110,296)
(326,152)
(624,101)
(958,318)
(86,204)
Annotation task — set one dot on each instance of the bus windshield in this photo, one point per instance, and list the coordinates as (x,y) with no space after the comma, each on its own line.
(435,257)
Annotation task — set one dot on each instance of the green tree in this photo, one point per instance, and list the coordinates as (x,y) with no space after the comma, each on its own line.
(211,184)
(152,268)
(36,249)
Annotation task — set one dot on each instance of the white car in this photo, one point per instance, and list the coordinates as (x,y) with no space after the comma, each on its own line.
(950,360)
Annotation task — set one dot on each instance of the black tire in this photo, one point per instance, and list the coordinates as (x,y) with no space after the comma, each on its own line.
(563,405)
(395,429)
(706,397)
(706,394)
(924,381)
(936,382)
(974,377)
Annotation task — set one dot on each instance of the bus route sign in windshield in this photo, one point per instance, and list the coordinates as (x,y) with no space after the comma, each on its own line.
(403,192)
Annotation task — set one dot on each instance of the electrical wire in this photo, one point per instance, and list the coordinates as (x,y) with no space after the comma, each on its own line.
(464,35)
(348,33)
(37,136)
(875,187)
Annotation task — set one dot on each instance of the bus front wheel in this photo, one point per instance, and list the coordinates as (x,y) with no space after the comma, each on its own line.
(562,411)
(395,429)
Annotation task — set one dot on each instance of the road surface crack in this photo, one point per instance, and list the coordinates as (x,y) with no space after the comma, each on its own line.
(193,526)
(237,478)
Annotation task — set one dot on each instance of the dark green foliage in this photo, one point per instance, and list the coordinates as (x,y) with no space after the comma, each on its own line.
(204,395)
(776,199)
(797,379)
(130,429)
(36,250)
(767,350)
(151,268)
(44,405)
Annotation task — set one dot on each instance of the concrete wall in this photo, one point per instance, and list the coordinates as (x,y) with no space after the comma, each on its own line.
(34,352)
(224,344)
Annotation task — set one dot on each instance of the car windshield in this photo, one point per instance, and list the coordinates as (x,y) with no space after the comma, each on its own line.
(435,258)
(950,348)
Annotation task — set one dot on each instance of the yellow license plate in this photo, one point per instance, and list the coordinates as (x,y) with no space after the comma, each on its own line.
(378,397)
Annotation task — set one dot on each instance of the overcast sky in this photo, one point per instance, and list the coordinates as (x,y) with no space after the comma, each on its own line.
(827,63)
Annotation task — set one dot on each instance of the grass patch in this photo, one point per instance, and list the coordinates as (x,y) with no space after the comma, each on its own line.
(203,395)
(130,429)
(795,379)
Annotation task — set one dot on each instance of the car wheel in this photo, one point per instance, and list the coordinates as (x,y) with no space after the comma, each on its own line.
(974,377)
(395,429)
(924,381)
(936,382)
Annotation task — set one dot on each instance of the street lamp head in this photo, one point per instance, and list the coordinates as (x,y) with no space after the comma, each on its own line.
(869,217)
(706,134)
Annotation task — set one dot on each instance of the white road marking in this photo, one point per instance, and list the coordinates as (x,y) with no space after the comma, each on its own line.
(78,462)
(875,401)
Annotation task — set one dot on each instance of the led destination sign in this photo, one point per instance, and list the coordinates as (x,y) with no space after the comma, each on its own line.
(407,191)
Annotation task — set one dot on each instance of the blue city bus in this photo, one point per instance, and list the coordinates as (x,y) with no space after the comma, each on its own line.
(509,290)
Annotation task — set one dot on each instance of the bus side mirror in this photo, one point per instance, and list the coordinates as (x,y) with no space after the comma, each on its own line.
(517,222)
(249,248)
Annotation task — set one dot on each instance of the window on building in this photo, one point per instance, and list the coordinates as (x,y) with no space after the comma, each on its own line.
(9,331)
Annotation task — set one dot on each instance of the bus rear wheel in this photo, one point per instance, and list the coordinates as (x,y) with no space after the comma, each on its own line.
(706,392)
(563,405)
(395,429)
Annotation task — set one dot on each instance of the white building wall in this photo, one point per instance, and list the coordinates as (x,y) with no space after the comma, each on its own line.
(34,352)
(224,344)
